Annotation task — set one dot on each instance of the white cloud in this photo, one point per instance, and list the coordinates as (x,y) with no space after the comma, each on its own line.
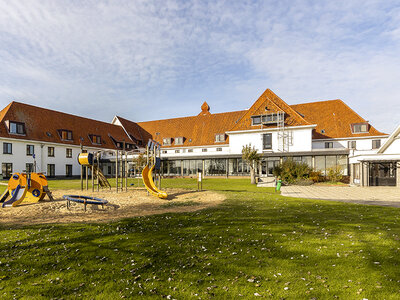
(151,59)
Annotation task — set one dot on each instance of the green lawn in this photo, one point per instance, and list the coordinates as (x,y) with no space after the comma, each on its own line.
(255,243)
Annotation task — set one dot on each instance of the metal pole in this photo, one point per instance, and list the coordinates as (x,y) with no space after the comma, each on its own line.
(97,170)
(116,170)
(81,171)
(87,177)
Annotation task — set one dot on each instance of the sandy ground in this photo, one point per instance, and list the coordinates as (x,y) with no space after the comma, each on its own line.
(134,202)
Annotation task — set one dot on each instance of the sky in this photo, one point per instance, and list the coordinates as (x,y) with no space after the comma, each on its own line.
(147,60)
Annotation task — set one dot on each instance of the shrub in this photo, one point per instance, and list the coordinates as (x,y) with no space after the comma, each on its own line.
(335,173)
(290,171)
(316,176)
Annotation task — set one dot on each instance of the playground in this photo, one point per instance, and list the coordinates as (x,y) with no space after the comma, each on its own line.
(132,203)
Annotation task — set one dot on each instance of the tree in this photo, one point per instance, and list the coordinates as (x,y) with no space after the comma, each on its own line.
(140,162)
(251,156)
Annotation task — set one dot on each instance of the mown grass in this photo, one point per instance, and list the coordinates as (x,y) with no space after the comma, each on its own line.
(257,243)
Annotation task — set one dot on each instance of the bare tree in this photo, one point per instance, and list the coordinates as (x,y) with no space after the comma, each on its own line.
(251,156)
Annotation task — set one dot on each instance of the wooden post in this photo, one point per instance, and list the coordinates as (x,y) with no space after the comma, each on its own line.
(93,176)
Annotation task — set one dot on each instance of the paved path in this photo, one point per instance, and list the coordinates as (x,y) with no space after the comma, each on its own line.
(385,196)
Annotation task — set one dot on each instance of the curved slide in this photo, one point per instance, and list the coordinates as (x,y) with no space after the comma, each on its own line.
(18,196)
(147,175)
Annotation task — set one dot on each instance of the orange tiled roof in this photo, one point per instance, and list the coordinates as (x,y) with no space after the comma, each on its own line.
(43,124)
(274,104)
(334,117)
(196,130)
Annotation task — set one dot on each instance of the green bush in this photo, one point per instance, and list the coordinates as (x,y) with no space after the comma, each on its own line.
(290,171)
(335,174)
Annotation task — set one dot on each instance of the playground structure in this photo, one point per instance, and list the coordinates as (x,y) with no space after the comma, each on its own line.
(153,155)
(91,161)
(25,188)
(85,200)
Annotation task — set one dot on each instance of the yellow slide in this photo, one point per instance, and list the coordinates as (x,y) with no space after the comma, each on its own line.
(147,175)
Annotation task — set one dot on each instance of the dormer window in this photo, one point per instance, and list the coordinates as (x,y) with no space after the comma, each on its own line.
(66,135)
(95,139)
(16,127)
(359,127)
(220,138)
(271,118)
(166,141)
(179,140)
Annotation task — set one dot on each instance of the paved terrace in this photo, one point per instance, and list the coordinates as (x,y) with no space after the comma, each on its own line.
(385,196)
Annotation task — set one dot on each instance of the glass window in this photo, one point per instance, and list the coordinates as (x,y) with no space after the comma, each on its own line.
(219,149)
(30,150)
(342,162)
(352,144)
(220,137)
(7,148)
(179,141)
(360,128)
(17,128)
(13,127)
(68,170)
(190,150)
(328,145)
(320,164)
(7,169)
(167,141)
(256,120)
(267,141)
(233,166)
(307,160)
(69,153)
(376,144)
(50,151)
(177,151)
(330,161)
(51,170)
(204,150)
(29,168)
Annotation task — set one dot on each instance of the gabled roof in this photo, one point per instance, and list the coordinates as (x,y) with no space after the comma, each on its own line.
(42,124)
(274,104)
(389,140)
(333,119)
(196,130)
(134,131)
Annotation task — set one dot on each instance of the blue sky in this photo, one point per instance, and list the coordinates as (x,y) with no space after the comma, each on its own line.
(146,60)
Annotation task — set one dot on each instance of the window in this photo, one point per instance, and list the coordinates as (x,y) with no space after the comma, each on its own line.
(164,151)
(7,148)
(376,144)
(95,139)
(190,150)
(68,170)
(7,169)
(352,144)
(30,150)
(16,128)
(328,145)
(68,153)
(179,140)
(50,151)
(166,141)
(359,127)
(204,150)
(267,141)
(219,149)
(220,137)
(51,170)
(109,170)
(177,151)
(66,135)
(256,120)
(29,168)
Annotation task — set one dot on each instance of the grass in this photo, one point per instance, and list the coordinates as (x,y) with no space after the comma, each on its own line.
(255,243)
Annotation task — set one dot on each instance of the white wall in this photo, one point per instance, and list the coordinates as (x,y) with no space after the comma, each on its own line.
(301,140)
(19,159)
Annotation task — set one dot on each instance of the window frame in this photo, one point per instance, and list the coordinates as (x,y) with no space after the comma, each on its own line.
(4,148)
(167,141)
(360,131)
(49,151)
(178,140)
(69,135)
(18,125)
(350,144)
(28,152)
(220,138)
(265,144)
(67,150)
(374,146)
(327,144)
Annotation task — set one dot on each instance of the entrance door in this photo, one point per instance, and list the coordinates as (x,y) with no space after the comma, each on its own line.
(382,174)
